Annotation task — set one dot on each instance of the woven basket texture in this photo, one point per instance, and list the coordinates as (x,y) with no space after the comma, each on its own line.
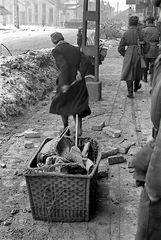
(62,197)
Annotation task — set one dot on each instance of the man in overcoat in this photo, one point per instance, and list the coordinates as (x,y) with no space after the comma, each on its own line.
(130,48)
(152,36)
(71,96)
(147,164)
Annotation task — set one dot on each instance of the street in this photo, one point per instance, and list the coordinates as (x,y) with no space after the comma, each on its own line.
(117,197)
(19,41)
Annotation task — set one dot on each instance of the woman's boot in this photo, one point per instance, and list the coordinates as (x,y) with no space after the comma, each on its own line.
(130,89)
(65,123)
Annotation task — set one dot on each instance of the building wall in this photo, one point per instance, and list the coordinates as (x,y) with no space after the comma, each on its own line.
(33,12)
(41,12)
(46,13)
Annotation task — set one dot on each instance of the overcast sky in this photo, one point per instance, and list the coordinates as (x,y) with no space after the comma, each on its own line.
(121,4)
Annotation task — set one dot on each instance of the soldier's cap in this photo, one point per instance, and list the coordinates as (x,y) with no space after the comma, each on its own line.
(133,20)
(150,18)
(156,3)
(56,37)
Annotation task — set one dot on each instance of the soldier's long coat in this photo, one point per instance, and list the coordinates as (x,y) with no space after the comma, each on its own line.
(129,49)
(69,59)
(152,36)
(148,168)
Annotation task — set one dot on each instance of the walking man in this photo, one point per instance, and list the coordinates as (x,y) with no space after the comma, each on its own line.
(152,36)
(71,96)
(130,47)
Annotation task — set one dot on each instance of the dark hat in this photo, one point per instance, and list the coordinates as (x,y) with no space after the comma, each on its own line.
(150,18)
(133,20)
(56,37)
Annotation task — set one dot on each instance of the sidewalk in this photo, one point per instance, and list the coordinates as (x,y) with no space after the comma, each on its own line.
(117,197)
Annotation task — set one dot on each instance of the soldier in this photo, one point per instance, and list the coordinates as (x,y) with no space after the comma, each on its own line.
(131,70)
(152,36)
(147,164)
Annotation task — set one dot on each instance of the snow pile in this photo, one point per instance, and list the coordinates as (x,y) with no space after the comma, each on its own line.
(24,80)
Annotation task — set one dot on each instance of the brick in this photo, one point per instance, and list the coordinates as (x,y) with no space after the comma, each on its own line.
(109,151)
(116,159)
(29,144)
(3,165)
(32,134)
(112,132)
(103,170)
(98,127)
(125,146)
(134,150)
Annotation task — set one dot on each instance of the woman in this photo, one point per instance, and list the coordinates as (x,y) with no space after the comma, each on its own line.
(71,97)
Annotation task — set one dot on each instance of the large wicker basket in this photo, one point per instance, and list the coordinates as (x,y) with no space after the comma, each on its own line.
(62,197)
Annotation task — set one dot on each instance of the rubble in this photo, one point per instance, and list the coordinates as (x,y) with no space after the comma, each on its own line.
(24,80)
(112,132)
(110,31)
(109,151)
(3,165)
(125,146)
(99,126)
(32,134)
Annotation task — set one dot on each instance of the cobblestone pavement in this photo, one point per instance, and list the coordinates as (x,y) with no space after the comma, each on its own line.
(117,198)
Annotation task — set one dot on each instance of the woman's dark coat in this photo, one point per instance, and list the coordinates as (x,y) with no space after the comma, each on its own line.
(69,59)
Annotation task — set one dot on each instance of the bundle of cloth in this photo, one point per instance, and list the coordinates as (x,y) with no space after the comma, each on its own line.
(64,157)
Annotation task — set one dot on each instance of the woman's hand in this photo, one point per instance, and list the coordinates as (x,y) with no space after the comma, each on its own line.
(78,76)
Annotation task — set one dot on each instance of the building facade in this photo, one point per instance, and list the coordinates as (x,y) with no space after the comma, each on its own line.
(51,12)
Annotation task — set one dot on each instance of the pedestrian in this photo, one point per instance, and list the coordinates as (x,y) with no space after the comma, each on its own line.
(132,46)
(90,70)
(79,37)
(71,96)
(144,70)
(147,165)
(152,36)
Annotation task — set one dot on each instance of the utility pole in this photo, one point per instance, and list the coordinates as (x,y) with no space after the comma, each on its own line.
(117,9)
(94,88)
(4,18)
(76,9)
(16,14)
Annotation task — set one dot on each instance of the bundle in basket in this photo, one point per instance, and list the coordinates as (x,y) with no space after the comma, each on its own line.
(61,197)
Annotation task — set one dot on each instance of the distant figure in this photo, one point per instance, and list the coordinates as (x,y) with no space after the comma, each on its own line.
(43,23)
(142,25)
(79,37)
(133,39)
(90,41)
(71,96)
